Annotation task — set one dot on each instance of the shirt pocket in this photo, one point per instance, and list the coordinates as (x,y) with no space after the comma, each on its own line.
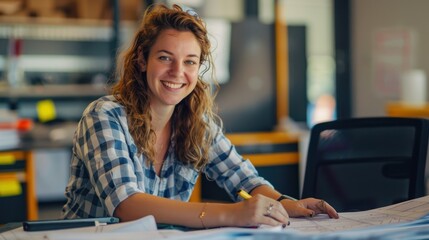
(185,179)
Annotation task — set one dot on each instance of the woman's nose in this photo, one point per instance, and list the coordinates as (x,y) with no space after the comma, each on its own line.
(176,68)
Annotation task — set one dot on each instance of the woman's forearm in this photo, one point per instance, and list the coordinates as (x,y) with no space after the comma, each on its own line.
(189,214)
(266,191)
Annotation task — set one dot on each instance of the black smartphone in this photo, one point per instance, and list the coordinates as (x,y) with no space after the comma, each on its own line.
(42,225)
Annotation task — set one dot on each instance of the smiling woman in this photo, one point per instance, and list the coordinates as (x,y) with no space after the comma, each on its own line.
(173,72)
(140,150)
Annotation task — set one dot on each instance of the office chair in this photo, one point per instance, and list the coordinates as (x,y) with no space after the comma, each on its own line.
(364,163)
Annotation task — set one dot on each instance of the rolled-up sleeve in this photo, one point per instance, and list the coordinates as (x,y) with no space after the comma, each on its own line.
(230,170)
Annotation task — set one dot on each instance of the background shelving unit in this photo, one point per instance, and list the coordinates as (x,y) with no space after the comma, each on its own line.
(63,60)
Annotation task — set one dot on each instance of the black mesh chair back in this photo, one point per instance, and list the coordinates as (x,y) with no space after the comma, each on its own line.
(365,163)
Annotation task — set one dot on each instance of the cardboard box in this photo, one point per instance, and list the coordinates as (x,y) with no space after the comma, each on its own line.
(9,7)
(92,9)
(41,8)
(129,10)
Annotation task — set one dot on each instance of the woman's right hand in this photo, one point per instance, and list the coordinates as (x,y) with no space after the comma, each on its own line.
(259,210)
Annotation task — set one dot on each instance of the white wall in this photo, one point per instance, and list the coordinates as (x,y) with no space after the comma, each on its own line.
(403,33)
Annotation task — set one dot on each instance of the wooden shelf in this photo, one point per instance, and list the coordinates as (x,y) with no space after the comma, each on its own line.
(262,138)
(53,91)
(61,29)
(397,109)
(22,176)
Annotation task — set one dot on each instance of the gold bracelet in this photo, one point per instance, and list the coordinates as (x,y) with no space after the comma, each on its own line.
(202,215)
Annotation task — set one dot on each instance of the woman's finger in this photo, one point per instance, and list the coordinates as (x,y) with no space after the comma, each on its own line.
(328,209)
(275,215)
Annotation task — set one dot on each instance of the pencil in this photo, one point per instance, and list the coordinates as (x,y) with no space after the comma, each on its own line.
(247,196)
(244,194)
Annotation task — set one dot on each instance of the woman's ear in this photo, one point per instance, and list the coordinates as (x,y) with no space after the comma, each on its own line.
(141,60)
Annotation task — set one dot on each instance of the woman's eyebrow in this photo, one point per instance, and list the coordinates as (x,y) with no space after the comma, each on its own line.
(165,51)
(170,53)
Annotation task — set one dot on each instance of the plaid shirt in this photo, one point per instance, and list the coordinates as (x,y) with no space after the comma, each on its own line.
(106,168)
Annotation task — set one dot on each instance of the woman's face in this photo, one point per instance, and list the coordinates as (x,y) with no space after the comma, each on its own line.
(172,67)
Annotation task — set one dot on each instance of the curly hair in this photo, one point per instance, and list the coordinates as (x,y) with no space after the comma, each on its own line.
(194,115)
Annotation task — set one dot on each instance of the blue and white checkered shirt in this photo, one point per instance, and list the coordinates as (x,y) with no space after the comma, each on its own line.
(106,168)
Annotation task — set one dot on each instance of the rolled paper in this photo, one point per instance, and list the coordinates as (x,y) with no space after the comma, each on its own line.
(413,91)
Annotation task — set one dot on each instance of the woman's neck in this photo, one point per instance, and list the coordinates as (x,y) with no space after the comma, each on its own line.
(161,118)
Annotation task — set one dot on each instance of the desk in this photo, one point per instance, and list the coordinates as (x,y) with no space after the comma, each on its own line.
(265,150)
(18,197)
(17,180)
(397,109)
(406,220)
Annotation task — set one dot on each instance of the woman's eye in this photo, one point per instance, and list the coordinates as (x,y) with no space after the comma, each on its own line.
(164,58)
(190,62)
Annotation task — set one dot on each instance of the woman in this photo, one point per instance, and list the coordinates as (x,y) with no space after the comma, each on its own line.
(139,151)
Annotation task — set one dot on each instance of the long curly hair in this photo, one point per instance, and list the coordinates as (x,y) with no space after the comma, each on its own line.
(194,115)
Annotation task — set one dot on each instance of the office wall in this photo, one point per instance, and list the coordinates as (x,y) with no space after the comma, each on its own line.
(388,36)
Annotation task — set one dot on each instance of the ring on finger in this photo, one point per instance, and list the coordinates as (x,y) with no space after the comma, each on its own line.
(269,209)
(321,205)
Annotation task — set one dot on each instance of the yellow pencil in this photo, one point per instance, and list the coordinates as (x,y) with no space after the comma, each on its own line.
(244,194)
(247,196)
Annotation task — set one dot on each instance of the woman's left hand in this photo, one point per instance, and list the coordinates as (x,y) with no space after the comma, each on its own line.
(308,207)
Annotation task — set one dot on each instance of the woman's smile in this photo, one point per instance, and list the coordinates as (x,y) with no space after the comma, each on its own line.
(172,85)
